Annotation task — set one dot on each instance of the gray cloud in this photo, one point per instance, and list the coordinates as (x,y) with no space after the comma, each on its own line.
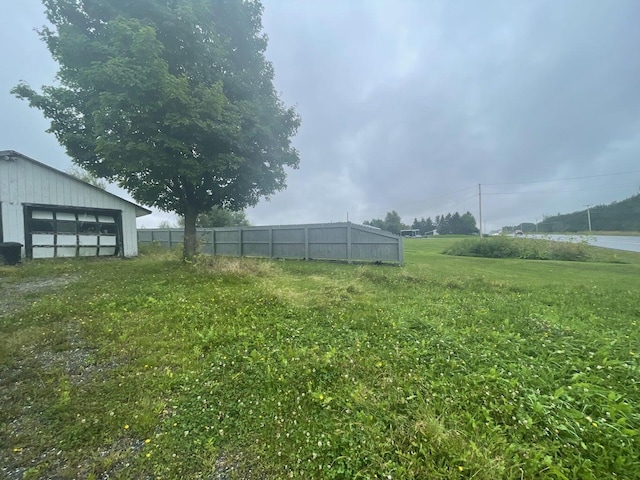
(404,102)
(433,97)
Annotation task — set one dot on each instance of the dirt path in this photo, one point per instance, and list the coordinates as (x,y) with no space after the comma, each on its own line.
(16,295)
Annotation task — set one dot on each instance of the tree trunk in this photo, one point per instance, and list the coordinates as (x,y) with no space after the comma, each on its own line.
(189,246)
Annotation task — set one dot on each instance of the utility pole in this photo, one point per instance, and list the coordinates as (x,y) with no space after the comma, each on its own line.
(589,216)
(480,206)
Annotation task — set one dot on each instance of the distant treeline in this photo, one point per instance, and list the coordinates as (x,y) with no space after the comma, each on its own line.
(623,216)
(454,224)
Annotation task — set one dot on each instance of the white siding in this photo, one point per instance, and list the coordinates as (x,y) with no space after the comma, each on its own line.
(24,181)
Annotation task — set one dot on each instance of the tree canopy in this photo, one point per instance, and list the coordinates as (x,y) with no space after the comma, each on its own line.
(391,223)
(172,100)
(426,227)
(455,224)
(622,216)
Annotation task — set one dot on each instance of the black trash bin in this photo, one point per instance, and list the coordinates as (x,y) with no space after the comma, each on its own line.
(10,253)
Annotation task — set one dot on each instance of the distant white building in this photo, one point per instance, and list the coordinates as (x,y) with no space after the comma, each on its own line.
(410,233)
(53,214)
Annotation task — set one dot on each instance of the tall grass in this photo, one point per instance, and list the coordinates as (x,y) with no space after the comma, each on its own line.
(524,248)
(450,367)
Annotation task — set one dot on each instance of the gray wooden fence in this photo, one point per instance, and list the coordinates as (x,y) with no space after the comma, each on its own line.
(324,241)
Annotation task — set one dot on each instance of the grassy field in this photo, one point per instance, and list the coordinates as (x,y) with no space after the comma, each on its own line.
(446,368)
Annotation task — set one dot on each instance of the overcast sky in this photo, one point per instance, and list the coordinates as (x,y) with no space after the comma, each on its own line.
(408,105)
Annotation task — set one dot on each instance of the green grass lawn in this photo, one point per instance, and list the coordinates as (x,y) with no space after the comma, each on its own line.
(448,367)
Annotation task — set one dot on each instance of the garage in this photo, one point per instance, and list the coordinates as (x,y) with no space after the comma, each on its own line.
(55,215)
(57,232)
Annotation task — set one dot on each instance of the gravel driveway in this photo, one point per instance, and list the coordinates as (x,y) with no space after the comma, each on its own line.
(15,295)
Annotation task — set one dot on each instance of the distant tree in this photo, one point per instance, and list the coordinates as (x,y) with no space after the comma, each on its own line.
(623,216)
(376,222)
(220,217)
(444,224)
(82,174)
(468,224)
(424,226)
(455,224)
(452,224)
(166,224)
(429,226)
(444,228)
(391,223)
(172,100)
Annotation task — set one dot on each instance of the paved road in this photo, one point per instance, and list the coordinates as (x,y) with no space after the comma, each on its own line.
(618,242)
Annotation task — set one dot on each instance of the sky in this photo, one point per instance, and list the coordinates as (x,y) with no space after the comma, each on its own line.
(524,109)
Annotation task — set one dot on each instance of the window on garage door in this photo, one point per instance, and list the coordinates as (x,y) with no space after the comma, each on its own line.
(64,232)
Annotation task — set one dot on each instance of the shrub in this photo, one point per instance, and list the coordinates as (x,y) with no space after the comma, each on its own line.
(524,248)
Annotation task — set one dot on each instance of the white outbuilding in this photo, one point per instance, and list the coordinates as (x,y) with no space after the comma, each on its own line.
(53,214)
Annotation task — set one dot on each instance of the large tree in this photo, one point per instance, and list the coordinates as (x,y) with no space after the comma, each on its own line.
(171,99)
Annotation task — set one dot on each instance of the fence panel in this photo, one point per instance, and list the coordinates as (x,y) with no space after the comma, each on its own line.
(324,241)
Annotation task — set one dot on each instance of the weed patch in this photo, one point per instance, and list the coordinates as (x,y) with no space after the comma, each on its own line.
(523,248)
(234,266)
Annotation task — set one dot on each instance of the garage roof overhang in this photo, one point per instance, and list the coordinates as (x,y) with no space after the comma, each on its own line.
(10,155)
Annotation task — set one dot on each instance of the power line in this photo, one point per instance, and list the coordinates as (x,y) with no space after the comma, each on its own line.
(447,194)
(436,197)
(537,192)
(564,179)
(475,195)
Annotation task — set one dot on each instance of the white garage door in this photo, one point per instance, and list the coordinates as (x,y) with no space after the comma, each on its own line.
(55,233)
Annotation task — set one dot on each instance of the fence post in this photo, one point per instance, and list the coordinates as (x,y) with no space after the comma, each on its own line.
(400,251)
(306,243)
(270,242)
(213,241)
(349,242)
